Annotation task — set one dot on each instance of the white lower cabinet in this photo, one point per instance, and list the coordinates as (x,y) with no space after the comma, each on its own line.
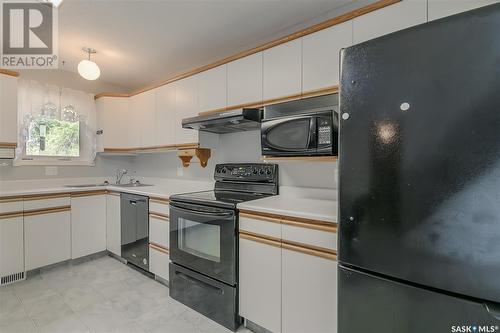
(11,245)
(88,224)
(309,289)
(158,262)
(113,224)
(159,228)
(260,284)
(47,237)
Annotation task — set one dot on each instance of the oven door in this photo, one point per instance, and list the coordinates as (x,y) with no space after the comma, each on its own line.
(289,136)
(204,239)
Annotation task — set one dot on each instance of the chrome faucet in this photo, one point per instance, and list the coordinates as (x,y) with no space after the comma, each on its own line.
(119,175)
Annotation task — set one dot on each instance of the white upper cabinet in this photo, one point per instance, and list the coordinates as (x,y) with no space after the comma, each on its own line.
(113,119)
(143,119)
(401,15)
(321,56)
(8,109)
(186,105)
(165,115)
(283,70)
(212,89)
(443,8)
(244,80)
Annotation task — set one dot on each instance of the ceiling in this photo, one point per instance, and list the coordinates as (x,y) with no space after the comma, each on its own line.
(141,43)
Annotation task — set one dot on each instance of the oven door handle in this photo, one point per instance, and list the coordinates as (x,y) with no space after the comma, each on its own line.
(199,282)
(201,212)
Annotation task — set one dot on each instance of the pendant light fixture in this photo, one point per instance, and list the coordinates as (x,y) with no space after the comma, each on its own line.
(87,68)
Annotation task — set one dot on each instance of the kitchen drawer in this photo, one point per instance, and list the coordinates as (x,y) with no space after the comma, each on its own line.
(159,229)
(42,202)
(158,261)
(266,226)
(11,206)
(158,207)
(309,236)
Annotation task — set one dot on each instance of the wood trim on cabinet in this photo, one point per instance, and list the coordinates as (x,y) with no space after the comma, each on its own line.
(313,93)
(266,218)
(160,248)
(159,216)
(11,199)
(115,193)
(88,193)
(47,211)
(285,219)
(312,224)
(9,72)
(8,145)
(301,33)
(151,148)
(272,241)
(159,200)
(46,196)
(310,250)
(10,215)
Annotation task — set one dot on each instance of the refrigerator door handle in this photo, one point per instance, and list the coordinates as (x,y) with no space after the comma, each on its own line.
(493,310)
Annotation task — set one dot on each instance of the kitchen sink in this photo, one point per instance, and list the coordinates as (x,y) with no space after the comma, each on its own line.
(132,185)
(87,185)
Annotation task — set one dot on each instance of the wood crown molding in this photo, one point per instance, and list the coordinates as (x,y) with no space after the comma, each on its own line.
(9,72)
(290,220)
(301,33)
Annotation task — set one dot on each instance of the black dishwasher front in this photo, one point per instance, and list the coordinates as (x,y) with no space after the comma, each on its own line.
(135,229)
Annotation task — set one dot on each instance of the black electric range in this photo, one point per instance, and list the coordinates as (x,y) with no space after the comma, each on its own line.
(204,239)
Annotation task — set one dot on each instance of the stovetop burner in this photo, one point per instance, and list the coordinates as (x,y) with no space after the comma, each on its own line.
(236,183)
(226,199)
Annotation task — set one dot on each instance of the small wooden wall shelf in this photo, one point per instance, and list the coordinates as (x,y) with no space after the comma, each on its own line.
(302,158)
(186,155)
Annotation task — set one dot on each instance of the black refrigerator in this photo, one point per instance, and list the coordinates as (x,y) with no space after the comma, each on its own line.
(419,166)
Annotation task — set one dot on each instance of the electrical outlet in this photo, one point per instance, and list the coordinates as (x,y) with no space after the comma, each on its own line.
(180,171)
(51,171)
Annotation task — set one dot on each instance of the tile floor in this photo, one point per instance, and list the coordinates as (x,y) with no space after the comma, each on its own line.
(99,295)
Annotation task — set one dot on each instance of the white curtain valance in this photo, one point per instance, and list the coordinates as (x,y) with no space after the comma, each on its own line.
(37,100)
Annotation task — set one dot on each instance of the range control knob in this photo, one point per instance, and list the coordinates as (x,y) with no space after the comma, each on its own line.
(254,171)
(224,170)
(261,171)
(269,171)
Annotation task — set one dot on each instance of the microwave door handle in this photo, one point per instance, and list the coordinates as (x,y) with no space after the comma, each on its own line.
(313,135)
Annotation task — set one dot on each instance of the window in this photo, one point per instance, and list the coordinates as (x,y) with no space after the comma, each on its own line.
(53,138)
(56,126)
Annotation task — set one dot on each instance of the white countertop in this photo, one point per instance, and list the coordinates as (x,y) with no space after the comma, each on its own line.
(162,188)
(316,204)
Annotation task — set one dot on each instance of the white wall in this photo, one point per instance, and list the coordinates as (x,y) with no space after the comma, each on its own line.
(226,148)
(236,148)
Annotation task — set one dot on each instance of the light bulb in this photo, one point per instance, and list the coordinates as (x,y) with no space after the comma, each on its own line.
(89,70)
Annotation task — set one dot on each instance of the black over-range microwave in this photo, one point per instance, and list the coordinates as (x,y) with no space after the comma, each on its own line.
(307,127)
